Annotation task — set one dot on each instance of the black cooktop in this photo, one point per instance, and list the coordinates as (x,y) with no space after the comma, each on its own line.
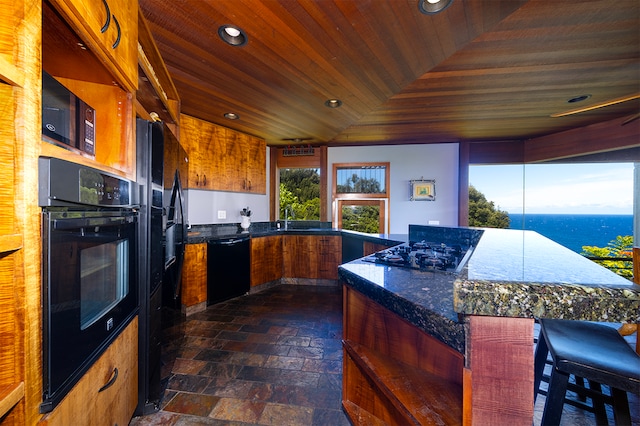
(426,256)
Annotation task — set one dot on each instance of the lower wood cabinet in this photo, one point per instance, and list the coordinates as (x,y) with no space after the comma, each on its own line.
(194,275)
(87,404)
(266,259)
(310,256)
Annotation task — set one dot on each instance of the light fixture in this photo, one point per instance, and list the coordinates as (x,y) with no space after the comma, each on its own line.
(333,103)
(231,116)
(431,7)
(232,35)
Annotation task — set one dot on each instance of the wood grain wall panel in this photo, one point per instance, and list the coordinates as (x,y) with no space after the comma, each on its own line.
(606,136)
(511,152)
(501,361)
(7,159)
(9,332)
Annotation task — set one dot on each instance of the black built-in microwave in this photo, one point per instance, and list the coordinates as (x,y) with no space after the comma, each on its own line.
(67,120)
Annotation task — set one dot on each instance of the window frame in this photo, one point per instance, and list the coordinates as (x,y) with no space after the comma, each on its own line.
(338,200)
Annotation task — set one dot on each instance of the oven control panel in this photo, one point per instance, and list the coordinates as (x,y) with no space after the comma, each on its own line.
(62,183)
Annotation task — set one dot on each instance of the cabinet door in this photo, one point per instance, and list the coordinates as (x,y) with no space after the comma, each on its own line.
(110,27)
(246,163)
(194,274)
(300,256)
(204,143)
(256,165)
(266,259)
(88,404)
(329,249)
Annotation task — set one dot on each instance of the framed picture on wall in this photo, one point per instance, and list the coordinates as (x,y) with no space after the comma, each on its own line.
(423,190)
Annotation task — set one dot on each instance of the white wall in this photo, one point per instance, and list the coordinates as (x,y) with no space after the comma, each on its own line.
(203,206)
(410,162)
(407,162)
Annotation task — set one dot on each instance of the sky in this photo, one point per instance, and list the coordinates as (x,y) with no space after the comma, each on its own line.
(594,188)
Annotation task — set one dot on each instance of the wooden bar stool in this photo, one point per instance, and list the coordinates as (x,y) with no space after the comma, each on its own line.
(592,351)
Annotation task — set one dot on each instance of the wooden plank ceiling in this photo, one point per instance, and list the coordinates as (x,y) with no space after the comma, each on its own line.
(481,70)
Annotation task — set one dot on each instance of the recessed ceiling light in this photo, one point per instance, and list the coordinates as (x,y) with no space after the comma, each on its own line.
(231,115)
(430,7)
(232,35)
(333,103)
(578,99)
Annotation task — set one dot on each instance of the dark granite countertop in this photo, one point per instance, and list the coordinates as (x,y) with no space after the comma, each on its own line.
(204,233)
(523,274)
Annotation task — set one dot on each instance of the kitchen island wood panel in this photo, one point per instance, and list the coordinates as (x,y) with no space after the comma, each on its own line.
(501,392)
(394,371)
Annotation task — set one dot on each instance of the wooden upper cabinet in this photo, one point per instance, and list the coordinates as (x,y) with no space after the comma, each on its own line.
(256,170)
(110,29)
(204,144)
(222,159)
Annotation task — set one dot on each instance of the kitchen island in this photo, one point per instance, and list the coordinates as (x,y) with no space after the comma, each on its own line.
(471,329)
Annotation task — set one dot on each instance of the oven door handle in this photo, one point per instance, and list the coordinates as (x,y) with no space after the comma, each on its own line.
(76,223)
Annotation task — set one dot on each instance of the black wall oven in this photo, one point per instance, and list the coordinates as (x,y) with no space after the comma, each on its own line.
(89,264)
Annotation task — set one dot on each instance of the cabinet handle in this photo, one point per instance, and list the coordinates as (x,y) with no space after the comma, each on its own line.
(197,179)
(249,188)
(204,178)
(107,21)
(117,42)
(114,377)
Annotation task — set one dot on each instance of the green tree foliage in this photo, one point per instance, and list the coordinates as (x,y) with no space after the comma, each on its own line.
(300,192)
(361,218)
(622,246)
(359,185)
(484,213)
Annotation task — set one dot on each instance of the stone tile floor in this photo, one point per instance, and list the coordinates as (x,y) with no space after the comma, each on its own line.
(271,358)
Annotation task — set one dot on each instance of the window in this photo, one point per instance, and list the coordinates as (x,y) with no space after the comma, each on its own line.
(299,183)
(361,197)
(299,194)
(586,207)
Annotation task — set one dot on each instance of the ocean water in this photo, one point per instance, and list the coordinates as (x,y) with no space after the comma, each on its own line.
(575,231)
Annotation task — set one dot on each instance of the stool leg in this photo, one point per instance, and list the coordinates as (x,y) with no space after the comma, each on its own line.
(540,359)
(621,413)
(555,398)
(598,404)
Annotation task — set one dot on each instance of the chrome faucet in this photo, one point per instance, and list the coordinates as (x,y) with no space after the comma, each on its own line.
(286,216)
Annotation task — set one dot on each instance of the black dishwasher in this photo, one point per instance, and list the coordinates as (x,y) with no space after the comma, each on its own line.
(228,268)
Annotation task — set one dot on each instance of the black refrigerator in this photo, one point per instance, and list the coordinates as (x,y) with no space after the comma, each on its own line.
(162,232)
